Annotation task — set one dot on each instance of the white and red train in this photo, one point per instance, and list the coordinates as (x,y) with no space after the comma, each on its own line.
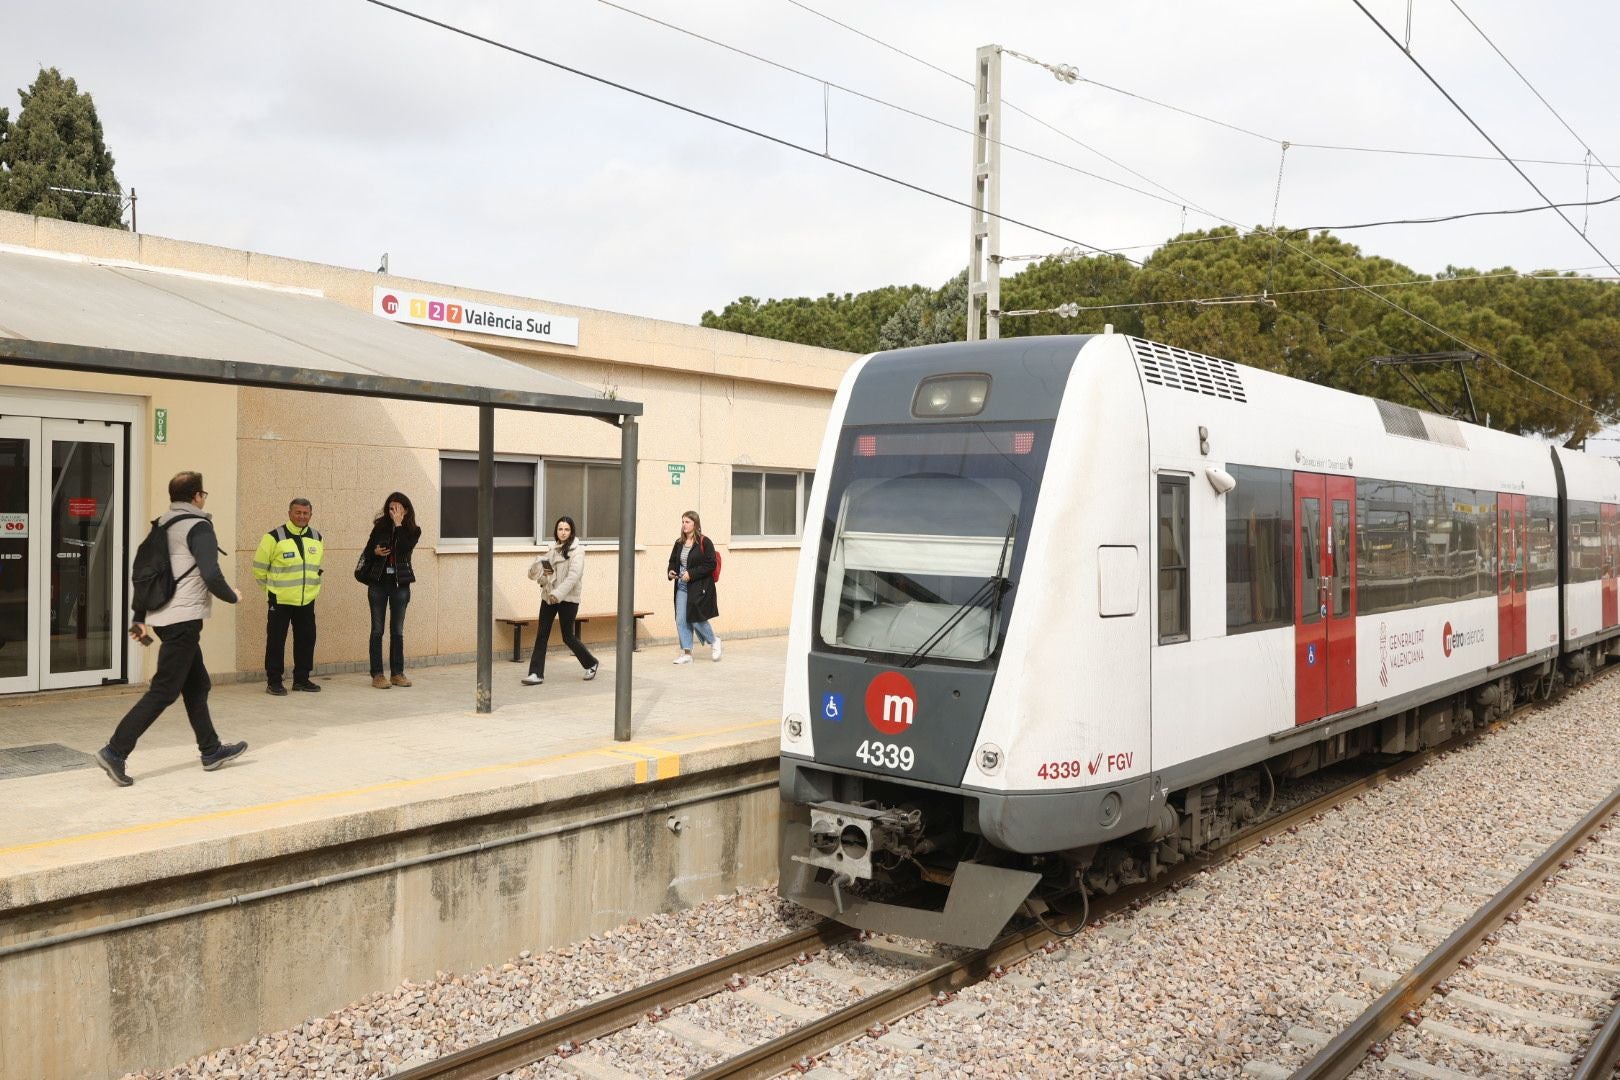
(1067,608)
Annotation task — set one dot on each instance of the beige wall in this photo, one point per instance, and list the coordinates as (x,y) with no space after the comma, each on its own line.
(713,401)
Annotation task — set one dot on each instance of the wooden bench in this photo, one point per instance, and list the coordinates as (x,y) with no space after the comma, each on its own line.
(518,622)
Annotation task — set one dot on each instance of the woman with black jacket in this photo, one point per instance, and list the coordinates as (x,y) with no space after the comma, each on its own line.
(389,575)
(691,568)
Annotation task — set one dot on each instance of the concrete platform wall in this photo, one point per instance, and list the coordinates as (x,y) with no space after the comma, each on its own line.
(154,996)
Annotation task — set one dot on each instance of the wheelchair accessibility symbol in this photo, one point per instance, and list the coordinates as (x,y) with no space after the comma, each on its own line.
(1310,654)
(832,707)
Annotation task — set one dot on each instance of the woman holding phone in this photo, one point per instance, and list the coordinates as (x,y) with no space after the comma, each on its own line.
(691,568)
(560,573)
(393,538)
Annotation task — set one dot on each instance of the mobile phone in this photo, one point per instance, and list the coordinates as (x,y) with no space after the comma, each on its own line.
(144,639)
(545,564)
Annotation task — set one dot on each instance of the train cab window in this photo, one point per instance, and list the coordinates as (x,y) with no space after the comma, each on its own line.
(1174,594)
(1259,549)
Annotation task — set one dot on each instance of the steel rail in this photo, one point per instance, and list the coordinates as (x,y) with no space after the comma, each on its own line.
(808,1041)
(1348,1050)
(489,1060)
(1599,1058)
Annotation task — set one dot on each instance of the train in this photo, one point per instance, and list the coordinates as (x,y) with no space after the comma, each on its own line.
(1068,609)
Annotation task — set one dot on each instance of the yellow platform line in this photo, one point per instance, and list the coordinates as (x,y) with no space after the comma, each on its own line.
(651,763)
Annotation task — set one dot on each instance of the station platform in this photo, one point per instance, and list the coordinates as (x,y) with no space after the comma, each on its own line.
(353,761)
(365,838)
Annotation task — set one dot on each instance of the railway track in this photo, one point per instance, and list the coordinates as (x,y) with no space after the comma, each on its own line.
(879,1004)
(1424,1021)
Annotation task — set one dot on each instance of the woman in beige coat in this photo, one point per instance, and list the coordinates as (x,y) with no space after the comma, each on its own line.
(560,573)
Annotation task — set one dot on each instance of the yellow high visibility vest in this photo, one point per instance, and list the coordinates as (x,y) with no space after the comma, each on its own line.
(288,564)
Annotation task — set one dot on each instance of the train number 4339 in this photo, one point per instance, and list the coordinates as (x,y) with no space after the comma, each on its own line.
(882,755)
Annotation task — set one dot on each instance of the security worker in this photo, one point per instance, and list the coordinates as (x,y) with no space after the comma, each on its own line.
(288,565)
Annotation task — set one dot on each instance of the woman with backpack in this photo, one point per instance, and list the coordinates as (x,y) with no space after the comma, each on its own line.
(560,573)
(385,567)
(693,563)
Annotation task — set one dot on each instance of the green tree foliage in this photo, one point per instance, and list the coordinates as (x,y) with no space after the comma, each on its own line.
(1289,304)
(56,141)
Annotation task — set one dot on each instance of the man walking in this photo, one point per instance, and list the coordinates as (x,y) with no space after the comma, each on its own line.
(194,564)
(288,565)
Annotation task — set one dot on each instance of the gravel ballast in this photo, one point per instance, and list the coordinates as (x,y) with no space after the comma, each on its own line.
(1196,983)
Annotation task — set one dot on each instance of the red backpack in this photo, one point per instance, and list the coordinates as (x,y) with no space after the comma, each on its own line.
(716,575)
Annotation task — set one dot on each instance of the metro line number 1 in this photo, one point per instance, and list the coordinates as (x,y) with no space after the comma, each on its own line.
(882,755)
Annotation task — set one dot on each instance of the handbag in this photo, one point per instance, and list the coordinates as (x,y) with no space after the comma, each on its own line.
(367,570)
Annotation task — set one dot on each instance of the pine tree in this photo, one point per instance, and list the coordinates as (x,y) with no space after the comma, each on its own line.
(56,142)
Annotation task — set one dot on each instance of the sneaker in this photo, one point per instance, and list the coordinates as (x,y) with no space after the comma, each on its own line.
(226,752)
(715,651)
(532,679)
(400,680)
(113,766)
(684,658)
(275,689)
(379,683)
(307,687)
(590,672)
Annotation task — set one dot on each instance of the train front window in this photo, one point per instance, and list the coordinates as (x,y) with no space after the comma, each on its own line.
(926,529)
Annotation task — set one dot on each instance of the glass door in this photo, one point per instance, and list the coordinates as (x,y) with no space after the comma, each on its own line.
(84,610)
(20,499)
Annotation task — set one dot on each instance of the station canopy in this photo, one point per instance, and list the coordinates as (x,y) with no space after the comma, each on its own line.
(78,314)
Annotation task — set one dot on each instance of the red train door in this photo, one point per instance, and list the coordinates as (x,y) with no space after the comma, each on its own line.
(1512,570)
(1611,562)
(1324,596)
(1341,612)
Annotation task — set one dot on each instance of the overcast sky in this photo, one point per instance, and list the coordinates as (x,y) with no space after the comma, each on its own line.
(337,130)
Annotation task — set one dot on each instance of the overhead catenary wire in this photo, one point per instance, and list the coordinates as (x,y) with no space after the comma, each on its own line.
(732,124)
(1179,109)
(1484,135)
(883,102)
(1591,155)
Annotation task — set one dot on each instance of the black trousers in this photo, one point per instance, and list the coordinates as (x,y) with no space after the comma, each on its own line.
(180,673)
(301,617)
(565,614)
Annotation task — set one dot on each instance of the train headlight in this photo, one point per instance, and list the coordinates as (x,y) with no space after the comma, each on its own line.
(991,759)
(794,726)
(951,395)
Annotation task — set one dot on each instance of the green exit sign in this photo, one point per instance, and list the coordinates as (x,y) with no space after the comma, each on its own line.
(160,425)
(675,472)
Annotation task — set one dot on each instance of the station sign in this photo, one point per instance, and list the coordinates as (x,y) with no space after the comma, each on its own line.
(424,309)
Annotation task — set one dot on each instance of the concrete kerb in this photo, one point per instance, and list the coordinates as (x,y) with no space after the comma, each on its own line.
(584,780)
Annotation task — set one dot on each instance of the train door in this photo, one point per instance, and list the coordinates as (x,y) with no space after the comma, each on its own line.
(1325,604)
(1611,564)
(1512,570)
(1341,612)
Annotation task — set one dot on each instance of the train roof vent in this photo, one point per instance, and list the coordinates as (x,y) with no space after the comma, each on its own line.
(1410,423)
(1178,369)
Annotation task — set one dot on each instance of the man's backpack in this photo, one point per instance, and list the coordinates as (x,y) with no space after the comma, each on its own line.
(151,579)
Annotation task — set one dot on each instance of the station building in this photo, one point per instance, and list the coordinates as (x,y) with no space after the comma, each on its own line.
(732,427)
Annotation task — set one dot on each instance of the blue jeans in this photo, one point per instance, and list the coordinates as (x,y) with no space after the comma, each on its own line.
(392,598)
(705,632)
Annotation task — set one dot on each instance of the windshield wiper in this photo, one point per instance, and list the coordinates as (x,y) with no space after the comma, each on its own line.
(993,588)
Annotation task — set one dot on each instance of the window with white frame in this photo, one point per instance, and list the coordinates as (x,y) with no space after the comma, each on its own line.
(530,494)
(768,504)
(588,492)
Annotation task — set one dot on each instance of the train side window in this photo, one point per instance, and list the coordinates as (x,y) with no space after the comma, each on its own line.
(1259,549)
(1543,542)
(1174,592)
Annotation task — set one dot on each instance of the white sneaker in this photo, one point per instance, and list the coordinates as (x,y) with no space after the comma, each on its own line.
(684,658)
(590,672)
(715,652)
(532,680)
